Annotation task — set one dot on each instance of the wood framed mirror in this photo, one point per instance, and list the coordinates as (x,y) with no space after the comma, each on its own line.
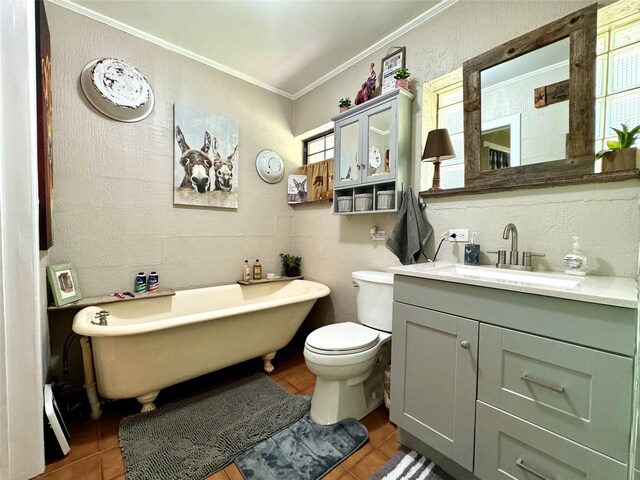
(570,43)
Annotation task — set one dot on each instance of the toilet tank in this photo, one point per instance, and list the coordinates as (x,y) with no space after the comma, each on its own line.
(374,299)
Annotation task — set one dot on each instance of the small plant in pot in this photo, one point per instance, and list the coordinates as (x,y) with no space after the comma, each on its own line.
(344,104)
(402,78)
(621,155)
(291,264)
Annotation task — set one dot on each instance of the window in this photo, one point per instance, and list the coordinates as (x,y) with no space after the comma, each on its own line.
(617,78)
(318,148)
(443,109)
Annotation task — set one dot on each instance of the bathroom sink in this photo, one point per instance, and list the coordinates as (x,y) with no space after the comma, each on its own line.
(550,280)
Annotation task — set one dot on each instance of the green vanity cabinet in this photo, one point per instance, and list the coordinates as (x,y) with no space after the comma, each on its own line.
(434,374)
(497,384)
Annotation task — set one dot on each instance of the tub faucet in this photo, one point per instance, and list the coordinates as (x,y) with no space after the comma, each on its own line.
(511,229)
(101,316)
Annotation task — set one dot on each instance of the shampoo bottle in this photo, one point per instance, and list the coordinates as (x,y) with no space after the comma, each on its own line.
(575,262)
(246,271)
(257,270)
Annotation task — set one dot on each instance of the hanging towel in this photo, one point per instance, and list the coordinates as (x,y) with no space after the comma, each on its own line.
(411,230)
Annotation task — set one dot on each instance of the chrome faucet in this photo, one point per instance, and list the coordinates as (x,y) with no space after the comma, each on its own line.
(510,231)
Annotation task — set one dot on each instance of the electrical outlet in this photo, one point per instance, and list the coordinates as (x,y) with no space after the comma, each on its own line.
(458,235)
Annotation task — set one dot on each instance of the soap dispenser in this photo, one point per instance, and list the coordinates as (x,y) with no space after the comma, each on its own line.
(575,262)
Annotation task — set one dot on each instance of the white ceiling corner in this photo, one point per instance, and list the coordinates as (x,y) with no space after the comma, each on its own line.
(284,46)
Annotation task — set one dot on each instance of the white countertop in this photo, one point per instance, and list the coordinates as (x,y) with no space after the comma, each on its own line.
(619,292)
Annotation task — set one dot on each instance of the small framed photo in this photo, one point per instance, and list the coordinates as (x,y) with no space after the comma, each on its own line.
(296,189)
(63,281)
(392,62)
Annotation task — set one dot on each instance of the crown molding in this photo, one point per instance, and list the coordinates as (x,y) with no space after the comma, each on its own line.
(87,12)
(415,22)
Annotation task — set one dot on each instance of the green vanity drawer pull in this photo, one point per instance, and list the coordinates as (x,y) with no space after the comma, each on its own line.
(541,383)
(526,468)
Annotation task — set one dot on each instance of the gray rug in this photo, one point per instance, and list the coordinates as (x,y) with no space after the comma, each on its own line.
(303,451)
(410,465)
(193,438)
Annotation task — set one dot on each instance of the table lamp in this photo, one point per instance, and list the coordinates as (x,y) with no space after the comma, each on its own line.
(437,148)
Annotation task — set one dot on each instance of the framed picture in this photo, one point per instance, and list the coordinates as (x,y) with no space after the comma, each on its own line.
(45,127)
(63,281)
(205,176)
(391,63)
(297,189)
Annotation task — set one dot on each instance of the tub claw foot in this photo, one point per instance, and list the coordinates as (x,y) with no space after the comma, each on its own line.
(147,401)
(268,366)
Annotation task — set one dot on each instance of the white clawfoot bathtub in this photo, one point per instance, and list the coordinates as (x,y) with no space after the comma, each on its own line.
(150,344)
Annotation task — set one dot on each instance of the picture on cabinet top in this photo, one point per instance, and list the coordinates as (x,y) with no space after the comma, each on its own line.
(205,159)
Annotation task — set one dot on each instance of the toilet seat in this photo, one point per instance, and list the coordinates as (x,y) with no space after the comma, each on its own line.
(342,339)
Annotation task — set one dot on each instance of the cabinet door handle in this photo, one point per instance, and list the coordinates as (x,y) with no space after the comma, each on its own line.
(527,468)
(541,383)
(464,344)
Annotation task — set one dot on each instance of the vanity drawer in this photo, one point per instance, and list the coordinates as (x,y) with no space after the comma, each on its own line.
(577,392)
(510,448)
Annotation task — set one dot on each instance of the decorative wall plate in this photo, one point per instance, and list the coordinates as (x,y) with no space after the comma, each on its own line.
(117,89)
(374,157)
(270,166)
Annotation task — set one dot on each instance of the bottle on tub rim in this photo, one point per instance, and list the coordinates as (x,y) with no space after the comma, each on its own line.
(257,270)
(246,271)
(140,284)
(153,284)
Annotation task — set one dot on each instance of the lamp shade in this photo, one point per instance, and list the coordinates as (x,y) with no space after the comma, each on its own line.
(438,146)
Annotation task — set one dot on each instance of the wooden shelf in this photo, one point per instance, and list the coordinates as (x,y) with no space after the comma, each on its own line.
(104,299)
(268,280)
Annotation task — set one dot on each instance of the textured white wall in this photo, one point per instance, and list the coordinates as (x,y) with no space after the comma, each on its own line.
(114,213)
(605,216)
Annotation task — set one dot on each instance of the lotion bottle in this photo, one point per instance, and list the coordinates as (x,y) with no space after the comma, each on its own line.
(246,271)
(575,262)
(257,270)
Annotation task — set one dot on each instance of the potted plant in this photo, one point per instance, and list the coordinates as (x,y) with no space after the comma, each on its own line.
(291,264)
(620,155)
(402,78)
(344,104)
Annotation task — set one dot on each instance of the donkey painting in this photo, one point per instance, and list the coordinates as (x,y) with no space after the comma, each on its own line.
(223,168)
(297,189)
(206,176)
(196,163)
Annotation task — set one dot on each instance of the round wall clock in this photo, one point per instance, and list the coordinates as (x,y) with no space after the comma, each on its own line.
(270,166)
(117,89)
(374,157)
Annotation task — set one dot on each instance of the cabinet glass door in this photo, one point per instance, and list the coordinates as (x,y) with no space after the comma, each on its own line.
(379,158)
(348,171)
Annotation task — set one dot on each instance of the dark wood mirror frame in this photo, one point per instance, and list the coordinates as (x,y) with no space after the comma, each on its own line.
(578,167)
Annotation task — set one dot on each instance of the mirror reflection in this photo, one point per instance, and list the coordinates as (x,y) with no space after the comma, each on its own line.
(379,140)
(525,108)
(348,151)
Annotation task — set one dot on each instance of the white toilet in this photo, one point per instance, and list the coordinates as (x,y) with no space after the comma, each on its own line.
(349,358)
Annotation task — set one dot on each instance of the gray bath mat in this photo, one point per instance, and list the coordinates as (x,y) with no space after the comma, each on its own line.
(193,438)
(410,465)
(303,451)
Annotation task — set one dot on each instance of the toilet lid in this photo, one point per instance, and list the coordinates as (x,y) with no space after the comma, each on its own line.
(344,338)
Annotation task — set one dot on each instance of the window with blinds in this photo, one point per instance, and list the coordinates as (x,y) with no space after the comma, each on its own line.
(617,79)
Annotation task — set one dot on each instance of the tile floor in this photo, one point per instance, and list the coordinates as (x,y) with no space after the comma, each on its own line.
(95,454)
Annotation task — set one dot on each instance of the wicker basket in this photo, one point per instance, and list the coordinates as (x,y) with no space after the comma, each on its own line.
(386,199)
(345,204)
(364,202)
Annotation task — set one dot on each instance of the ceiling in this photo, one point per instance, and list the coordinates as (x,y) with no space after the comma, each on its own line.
(287,46)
